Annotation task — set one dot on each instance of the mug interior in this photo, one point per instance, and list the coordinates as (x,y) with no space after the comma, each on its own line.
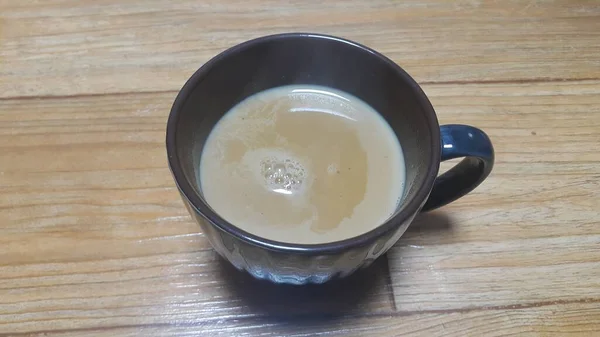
(285,59)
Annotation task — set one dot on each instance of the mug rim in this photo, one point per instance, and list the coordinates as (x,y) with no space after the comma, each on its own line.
(203,209)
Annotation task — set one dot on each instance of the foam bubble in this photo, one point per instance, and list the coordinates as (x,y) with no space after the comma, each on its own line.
(332,169)
(278,170)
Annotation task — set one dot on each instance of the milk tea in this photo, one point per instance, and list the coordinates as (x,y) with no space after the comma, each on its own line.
(303,164)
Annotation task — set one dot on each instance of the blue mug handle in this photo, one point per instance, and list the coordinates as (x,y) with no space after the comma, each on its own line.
(461,141)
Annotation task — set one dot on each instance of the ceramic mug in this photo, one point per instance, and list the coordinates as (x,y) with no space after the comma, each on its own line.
(302,58)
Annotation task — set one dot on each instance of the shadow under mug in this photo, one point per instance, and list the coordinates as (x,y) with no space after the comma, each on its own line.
(303,58)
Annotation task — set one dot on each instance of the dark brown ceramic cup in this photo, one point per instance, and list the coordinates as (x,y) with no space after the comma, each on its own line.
(301,58)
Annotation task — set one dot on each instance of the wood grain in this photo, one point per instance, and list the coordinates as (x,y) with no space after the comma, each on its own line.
(94,239)
(80,47)
(560,320)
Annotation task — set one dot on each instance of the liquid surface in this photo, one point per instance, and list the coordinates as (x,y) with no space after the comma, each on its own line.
(303,164)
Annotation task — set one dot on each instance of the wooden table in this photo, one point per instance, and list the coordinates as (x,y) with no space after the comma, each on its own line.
(94,239)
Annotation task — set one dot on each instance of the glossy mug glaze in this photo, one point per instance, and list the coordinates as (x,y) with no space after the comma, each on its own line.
(302,58)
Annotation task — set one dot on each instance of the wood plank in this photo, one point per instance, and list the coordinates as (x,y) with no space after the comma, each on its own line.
(75,47)
(89,173)
(572,319)
(168,288)
(529,233)
(134,255)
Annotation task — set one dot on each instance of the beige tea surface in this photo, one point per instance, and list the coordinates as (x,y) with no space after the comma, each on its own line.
(303,164)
